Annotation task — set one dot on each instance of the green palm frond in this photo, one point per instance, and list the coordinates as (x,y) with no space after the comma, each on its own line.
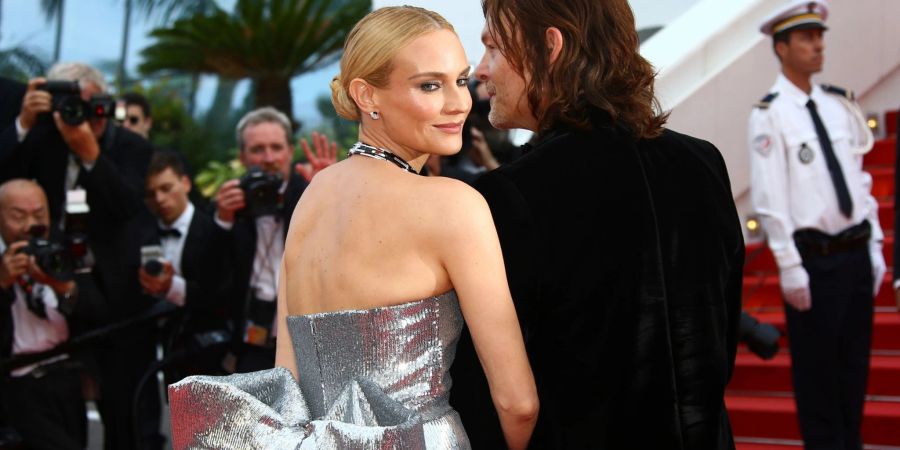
(262,38)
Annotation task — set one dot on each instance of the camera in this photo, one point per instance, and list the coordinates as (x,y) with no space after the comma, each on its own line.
(151,260)
(761,338)
(260,192)
(53,258)
(72,109)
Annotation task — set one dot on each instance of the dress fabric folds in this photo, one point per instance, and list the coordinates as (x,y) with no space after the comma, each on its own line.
(368,379)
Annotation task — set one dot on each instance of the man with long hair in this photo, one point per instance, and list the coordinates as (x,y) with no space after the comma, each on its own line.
(622,244)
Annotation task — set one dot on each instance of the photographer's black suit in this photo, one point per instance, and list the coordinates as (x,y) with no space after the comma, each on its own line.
(203,269)
(243,250)
(114,188)
(46,406)
(624,260)
(11,95)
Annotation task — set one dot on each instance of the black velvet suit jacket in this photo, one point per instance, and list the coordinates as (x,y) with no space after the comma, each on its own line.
(243,249)
(114,194)
(624,260)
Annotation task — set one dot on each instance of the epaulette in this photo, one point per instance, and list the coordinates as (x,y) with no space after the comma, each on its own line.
(764,102)
(846,93)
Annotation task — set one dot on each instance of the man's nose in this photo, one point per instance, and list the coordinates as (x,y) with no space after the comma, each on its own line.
(481,70)
(269,156)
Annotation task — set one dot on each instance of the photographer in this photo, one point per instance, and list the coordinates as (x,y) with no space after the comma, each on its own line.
(257,210)
(92,172)
(182,262)
(43,402)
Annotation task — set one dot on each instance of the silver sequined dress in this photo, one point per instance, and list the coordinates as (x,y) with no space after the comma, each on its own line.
(368,379)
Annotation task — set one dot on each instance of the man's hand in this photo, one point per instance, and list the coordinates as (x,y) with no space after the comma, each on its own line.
(34,103)
(481,152)
(80,139)
(229,200)
(14,264)
(795,287)
(879,267)
(325,155)
(160,284)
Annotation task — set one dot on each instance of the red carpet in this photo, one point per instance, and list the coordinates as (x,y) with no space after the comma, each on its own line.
(759,398)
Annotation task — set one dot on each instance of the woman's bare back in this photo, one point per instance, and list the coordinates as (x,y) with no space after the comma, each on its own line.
(363,236)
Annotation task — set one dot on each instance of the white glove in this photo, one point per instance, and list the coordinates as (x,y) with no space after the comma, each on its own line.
(878,266)
(795,287)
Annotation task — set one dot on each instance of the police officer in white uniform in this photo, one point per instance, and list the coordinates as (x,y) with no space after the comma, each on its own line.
(806,148)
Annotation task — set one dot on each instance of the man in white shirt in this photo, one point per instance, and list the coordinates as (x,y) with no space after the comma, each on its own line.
(806,147)
(264,140)
(43,401)
(191,271)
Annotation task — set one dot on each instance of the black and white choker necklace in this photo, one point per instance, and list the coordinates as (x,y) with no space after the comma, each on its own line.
(379,153)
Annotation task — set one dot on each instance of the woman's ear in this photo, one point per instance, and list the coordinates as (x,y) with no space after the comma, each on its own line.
(555,43)
(364,95)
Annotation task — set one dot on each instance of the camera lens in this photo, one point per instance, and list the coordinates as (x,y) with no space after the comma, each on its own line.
(71,110)
(153,268)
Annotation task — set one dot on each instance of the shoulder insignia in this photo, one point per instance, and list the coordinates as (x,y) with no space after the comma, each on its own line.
(837,90)
(764,102)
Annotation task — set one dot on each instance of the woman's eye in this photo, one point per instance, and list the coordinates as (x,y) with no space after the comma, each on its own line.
(463,81)
(430,86)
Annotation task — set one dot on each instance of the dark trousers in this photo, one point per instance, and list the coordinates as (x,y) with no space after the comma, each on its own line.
(48,412)
(121,368)
(830,346)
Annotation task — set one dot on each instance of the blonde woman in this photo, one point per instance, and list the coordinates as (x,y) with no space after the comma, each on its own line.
(381,267)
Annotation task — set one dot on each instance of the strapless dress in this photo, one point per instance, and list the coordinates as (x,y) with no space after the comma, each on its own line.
(368,379)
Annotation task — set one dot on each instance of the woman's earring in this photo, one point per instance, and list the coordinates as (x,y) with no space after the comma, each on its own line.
(374,115)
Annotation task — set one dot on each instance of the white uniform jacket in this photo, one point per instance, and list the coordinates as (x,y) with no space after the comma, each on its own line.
(791,186)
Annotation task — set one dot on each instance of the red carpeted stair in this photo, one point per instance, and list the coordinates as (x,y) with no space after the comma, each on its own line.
(759,398)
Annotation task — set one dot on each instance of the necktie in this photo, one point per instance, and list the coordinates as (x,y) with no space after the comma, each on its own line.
(169,232)
(834,168)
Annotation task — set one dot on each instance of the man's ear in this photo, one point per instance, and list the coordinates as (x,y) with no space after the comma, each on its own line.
(555,43)
(364,95)
(186,182)
(781,49)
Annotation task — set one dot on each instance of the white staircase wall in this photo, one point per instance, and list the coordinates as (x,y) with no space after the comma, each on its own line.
(714,64)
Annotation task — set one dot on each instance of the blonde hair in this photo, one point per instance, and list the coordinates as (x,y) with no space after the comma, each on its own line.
(370,48)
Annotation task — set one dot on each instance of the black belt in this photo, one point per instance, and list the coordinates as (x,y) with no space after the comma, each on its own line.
(811,242)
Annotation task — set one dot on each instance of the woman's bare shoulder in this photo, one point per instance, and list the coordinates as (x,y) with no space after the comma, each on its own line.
(454,205)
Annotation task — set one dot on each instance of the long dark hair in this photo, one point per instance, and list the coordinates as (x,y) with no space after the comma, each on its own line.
(599,67)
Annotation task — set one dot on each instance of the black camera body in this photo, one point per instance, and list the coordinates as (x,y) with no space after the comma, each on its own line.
(54,258)
(72,109)
(261,194)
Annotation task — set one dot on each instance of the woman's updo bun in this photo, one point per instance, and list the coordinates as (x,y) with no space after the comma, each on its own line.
(343,104)
(371,46)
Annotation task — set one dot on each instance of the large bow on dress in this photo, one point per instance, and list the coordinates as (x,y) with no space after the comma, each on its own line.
(267,410)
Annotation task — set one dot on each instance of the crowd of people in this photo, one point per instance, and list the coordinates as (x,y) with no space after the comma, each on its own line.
(130,232)
(591,278)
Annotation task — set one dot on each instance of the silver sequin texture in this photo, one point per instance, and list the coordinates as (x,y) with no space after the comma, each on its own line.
(368,379)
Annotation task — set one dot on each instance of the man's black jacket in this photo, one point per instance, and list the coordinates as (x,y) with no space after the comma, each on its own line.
(624,259)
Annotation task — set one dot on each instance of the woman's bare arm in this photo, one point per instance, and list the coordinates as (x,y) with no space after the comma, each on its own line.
(472,257)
